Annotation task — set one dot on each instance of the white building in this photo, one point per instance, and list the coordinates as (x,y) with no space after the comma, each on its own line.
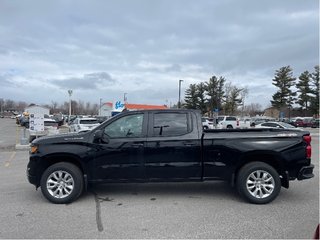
(35,109)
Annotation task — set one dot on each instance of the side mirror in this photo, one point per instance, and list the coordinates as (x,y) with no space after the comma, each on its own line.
(99,136)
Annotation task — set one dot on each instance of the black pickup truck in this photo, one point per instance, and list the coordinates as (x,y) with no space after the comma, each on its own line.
(169,145)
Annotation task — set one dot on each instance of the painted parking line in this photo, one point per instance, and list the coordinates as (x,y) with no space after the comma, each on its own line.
(7,163)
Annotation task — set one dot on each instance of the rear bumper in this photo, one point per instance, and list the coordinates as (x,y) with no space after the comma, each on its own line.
(306,172)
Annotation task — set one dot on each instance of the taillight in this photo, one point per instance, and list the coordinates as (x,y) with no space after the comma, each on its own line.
(307,139)
(237,122)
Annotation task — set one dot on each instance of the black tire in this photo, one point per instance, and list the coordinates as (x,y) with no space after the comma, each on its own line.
(259,179)
(65,179)
(229,127)
(205,128)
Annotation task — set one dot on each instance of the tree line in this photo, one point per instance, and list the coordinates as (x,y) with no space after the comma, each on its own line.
(303,91)
(217,94)
(77,107)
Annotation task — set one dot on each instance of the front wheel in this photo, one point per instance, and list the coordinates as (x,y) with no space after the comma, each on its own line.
(62,183)
(258,182)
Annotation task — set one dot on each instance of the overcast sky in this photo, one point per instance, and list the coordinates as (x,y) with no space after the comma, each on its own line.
(103,49)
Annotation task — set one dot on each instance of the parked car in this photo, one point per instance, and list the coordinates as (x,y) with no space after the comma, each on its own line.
(307,121)
(257,120)
(24,121)
(83,124)
(169,145)
(101,119)
(228,122)
(244,122)
(315,123)
(59,118)
(206,123)
(279,125)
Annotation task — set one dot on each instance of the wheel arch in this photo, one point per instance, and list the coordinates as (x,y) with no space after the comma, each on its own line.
(51,159)
(271,158)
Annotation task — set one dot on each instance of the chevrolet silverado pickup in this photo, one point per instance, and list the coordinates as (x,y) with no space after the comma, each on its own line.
(168,146)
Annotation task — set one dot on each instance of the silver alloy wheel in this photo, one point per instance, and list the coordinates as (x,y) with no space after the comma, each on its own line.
(60,184)
(260,184)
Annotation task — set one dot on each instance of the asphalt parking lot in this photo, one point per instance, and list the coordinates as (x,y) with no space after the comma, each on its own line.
(157,210)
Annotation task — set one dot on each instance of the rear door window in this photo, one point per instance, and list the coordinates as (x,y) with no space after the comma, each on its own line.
(170,124)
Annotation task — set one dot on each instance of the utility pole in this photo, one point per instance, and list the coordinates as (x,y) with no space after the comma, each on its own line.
(179,102)
(1,106)
(125,98)
(70,94)
(100,107)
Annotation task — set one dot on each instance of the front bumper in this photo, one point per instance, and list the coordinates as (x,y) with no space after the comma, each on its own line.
(31,172)
(306,172)
(32,179)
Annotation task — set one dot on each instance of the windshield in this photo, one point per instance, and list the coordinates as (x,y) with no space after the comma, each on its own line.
(220,119)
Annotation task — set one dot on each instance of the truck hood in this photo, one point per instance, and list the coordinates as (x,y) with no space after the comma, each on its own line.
(63,138)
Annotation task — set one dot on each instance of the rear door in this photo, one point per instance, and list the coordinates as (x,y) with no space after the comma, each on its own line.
(173,147)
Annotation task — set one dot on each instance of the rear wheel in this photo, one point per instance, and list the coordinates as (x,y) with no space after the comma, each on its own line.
(229,127)
(62,183)
(258,182)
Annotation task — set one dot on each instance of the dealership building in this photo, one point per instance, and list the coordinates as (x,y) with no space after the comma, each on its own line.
(109,109)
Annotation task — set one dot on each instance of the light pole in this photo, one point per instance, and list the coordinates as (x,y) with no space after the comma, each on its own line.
(100,107)
(125,98)
(179,102)
(70,94)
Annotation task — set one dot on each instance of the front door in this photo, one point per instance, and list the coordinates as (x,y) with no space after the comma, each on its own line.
(119,155)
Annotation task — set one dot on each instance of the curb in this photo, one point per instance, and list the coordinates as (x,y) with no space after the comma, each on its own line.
(22,147)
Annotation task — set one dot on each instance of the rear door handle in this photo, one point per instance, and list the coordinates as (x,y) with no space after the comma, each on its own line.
(188,144)
(137,145)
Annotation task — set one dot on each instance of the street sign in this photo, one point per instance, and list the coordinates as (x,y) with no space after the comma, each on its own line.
(36,122)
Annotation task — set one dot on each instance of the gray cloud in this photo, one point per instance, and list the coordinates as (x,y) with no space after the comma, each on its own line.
(90,81)
(139,42)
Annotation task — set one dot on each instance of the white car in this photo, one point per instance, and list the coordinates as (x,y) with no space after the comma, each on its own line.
(83,124)
(228,122)
(244,122)
(206,123)
(278,125)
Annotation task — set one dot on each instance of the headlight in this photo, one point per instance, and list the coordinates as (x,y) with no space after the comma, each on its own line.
(34,149)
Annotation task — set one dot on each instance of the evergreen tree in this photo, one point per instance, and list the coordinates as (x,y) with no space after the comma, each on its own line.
(284,80)
(215,92)
(201,94)
(304,90)
(191,97)
(233,99)
(315,91)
